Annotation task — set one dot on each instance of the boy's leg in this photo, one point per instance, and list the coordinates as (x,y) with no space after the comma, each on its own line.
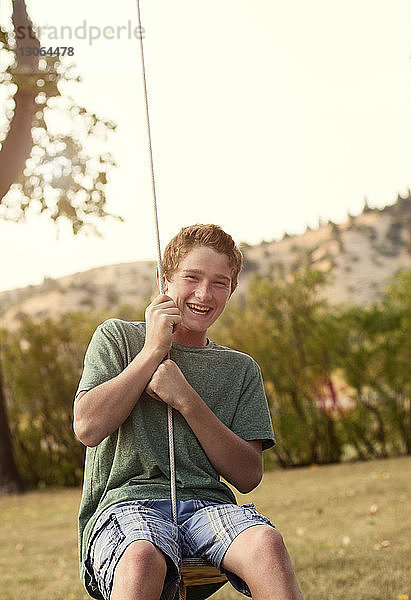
(140,573)
(258,555)
(247,546)
(134,552)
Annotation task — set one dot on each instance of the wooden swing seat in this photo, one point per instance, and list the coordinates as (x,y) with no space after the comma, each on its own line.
(196,571)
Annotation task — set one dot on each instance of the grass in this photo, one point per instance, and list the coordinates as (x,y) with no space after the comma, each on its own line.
(347,528)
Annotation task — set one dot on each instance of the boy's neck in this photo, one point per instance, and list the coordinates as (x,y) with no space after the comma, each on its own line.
(190,338)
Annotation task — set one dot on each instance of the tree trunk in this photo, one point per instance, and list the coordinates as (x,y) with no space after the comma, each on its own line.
(10,480)
(16,148)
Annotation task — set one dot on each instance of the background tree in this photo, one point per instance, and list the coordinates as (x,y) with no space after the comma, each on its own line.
(336,378)
(42,365)
(372,346)
(48,159)
(43,360)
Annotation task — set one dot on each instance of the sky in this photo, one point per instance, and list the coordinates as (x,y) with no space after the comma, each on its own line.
(266,116)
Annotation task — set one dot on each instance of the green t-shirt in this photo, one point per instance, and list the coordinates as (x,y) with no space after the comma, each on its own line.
(133,462)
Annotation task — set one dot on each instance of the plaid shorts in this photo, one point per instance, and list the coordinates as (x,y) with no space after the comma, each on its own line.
(205,530)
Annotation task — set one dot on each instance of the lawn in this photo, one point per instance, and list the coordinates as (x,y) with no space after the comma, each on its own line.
(347,529)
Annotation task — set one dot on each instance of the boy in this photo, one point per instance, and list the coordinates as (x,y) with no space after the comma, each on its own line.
(129,547)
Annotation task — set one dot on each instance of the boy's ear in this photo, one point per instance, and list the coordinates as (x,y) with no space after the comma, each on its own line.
(234,289)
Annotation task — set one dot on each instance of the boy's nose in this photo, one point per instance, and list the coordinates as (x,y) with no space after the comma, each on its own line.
(203,292)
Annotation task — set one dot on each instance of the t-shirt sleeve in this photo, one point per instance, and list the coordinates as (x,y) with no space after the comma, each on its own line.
(252,419)
(103,359)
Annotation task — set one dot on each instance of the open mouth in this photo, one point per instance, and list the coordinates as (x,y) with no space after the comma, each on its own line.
(197,309)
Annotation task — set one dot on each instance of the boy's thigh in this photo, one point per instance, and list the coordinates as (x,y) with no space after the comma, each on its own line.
(211,530)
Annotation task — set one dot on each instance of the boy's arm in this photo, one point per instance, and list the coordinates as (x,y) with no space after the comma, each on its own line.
(237,460)
(99,411)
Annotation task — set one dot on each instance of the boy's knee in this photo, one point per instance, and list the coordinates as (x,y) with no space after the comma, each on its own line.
(140,572)
(265,541)
(144,557)
(252,548)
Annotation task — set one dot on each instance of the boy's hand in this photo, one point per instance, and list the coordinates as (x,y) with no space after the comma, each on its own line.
(162,318)
(169,385)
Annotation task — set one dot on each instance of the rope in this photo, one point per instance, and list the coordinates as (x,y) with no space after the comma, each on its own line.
(150,151)
(161,284)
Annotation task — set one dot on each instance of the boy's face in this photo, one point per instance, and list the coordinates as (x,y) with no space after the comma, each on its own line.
(201,288)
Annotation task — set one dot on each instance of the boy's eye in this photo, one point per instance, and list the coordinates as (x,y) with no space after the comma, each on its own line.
(222,283)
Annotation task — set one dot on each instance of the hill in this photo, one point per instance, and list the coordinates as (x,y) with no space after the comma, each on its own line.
(361,255)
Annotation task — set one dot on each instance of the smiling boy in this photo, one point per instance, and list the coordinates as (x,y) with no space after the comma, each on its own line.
(129,547)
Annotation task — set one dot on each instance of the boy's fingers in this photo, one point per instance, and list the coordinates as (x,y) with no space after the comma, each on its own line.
(169,305)
(150,392)
(162,299)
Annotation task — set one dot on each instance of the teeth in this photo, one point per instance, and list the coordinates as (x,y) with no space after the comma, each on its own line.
(199,308)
